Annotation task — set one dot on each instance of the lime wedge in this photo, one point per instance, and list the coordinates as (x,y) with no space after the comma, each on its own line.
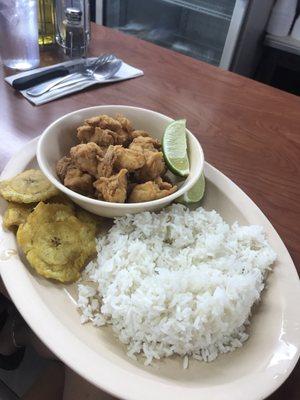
(174,147)
(196,193)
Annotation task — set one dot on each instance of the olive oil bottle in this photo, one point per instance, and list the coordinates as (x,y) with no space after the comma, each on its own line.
(46,20)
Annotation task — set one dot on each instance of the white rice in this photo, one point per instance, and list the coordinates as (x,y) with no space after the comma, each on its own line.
(176,282)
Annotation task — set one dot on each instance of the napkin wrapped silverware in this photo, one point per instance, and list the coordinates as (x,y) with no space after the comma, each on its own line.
(125,72)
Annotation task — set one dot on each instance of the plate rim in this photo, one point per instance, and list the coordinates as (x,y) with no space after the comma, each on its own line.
(110,372)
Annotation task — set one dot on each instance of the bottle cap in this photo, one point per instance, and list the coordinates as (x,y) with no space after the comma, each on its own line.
(73,14)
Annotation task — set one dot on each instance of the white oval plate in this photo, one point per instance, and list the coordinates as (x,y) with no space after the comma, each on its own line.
(252,372)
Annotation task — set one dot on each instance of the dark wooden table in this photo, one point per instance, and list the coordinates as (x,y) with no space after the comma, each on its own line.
(251,132)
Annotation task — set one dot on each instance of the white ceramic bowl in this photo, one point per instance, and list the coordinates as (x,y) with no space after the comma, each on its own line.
(60,136)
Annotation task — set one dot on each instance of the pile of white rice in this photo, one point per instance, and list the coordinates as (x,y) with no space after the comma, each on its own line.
(176,282)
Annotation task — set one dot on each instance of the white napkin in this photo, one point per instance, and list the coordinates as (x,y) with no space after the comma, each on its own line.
(125,72)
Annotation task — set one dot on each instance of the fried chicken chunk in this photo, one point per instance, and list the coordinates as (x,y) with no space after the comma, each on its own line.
(73,178)
(151,190)
(143,144)
(128,159)
(114,188)
(102,137)
(117,128)
(79,181)
(153,167)
(115,162)
(84,133)
(137,133)
(104,131)
(154,163)
(62,167)
(86,157)
(106,163)
(125,123)
(104,122)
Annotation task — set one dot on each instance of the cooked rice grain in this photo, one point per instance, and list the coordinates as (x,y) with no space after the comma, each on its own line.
(176,282)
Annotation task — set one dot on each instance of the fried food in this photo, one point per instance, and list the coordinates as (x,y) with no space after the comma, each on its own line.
(92,221)
(142,144)
(29,186)
(16,214)
(154,162)
(104,131)
(122,138)
(153,167)
(137,133)
(79,181)
(125,123)
(62,199)
(108,147)
(104,122)
(56,243)
(102,137)
(86,157)
(151,190)
(62,166)
(106,163)
(84,133)
(114,188)
(128,159)
(73,177)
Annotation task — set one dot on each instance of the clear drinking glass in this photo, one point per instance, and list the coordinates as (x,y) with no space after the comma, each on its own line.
(19,47)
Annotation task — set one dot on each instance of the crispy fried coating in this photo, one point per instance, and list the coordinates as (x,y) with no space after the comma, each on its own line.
(109,146)
(125,123)
(137,133)
(106,163)
(56,243)
(73,178)
(62,167)
(105,130)
(114,188)
(151,190)
(16,214)
(79,181)
(102,137)
(128,159)
(142,144)
(29,186)
(122,138)
(104,122)
(84,133)
(153,167)
(86,156)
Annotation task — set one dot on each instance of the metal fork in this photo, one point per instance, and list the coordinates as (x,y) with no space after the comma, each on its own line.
(86,73)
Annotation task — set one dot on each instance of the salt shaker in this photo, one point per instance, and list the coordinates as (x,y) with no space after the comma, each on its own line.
(75,39)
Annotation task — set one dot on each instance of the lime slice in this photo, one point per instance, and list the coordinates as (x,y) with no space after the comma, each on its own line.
(196,193)
(174,147)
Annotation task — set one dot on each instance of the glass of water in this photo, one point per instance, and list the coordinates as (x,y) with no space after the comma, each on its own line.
(19,47)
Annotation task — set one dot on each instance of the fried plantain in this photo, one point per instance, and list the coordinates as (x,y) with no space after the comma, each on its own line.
(93,221)
(16,214)
(29,186)
(62,199)
(56,243)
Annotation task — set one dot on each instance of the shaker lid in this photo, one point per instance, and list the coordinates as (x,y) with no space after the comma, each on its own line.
(73,14)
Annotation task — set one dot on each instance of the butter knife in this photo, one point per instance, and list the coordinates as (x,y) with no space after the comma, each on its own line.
(39,77)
